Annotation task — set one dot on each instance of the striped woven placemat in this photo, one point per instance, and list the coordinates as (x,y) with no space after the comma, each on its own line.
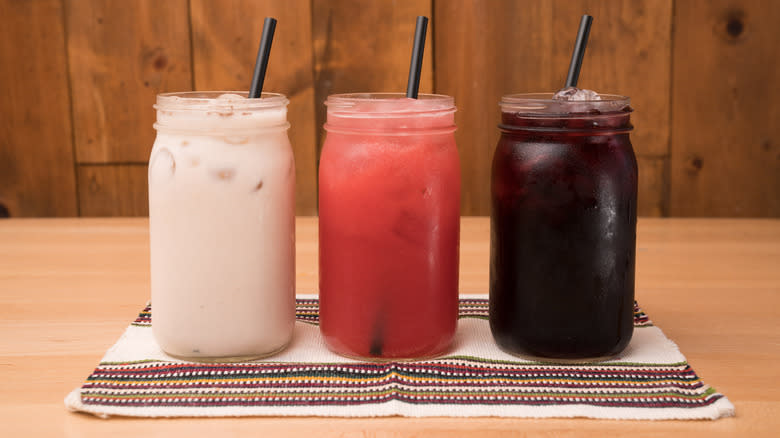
(650,380)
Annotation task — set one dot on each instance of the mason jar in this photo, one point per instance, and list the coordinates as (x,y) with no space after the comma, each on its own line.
(389,203)
(563,227)
(222,226)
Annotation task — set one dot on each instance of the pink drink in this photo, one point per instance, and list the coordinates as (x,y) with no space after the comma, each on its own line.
(389,225)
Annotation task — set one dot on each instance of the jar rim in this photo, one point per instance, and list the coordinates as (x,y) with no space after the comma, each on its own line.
(544,104)
(388,104)
(209,100)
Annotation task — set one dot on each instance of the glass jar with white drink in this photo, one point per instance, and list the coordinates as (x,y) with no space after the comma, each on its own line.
(222,226)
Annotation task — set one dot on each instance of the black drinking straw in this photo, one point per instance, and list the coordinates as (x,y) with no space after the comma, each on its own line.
(378,336)
(579,51)
(413,86)
(263,52)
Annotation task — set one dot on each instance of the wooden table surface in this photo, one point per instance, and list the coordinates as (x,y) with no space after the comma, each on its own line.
(69,287)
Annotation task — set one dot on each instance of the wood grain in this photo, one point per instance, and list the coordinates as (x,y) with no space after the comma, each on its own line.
(113,190)
(726,106)
(487,49)
(653,187)
(702,76)
(367,49)
(226,35)
(711,285)
(36,145)
(121,54)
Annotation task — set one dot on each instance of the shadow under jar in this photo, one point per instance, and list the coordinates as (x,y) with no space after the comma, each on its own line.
(563,227)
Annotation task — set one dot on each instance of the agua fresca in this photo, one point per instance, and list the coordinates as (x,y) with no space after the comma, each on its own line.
(222,226)
(563,226)
(389,193)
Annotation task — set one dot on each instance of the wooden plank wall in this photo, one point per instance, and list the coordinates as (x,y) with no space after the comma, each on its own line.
(121,54)
(78,79)
(726,109)
(37,174)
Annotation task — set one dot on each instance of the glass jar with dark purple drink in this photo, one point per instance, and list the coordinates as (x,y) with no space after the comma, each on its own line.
(563,227)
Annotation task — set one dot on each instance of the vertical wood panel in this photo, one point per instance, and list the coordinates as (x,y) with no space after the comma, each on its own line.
(226,35)
(113,190)
(654,187)
(726,98)
(485,49)
(122,53)
(36,150)
(367,46)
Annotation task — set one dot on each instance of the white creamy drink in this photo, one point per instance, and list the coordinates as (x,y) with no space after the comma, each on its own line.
(222,225)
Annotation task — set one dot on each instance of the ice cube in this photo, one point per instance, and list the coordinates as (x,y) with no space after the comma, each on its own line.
(411,227)
(162,163)
(223,174)
(229,96)
(236,139)
(565,93)
(576,94)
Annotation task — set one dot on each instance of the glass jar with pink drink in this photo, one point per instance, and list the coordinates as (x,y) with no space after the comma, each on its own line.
(389,190)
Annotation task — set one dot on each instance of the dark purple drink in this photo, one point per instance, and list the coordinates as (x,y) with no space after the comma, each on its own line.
(563,227)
